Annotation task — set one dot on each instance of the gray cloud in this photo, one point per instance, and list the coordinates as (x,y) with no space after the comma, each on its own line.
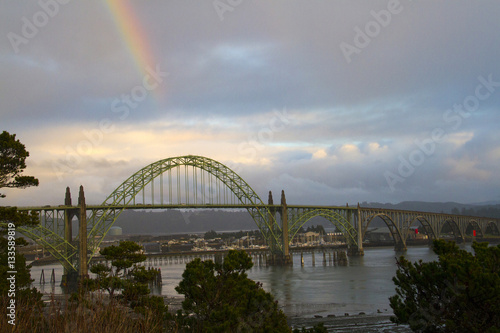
(353,121)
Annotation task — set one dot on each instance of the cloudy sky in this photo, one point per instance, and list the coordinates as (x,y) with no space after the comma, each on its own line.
(332,101)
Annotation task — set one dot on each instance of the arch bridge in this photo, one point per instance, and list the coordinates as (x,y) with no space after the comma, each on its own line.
(196,182)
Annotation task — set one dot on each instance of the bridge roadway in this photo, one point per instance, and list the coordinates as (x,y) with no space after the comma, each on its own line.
(177,206)
(398,221)
(197,182)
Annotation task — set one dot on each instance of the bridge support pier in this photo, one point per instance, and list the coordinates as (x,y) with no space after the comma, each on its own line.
(72,278)
(82,235)
(280,257)
(400,247)
(357,249)
(69,280)
(286,259)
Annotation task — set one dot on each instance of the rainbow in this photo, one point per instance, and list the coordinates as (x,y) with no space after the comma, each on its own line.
(133,35)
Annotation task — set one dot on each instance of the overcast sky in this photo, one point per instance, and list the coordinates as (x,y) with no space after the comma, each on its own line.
(332,101)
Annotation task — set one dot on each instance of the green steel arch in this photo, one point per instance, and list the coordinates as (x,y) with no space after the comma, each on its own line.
(48,234)
(425,223)
(100,222)
(391,224)
(457,232)
(475,224)
(493,226)
(334,217)
(52,243)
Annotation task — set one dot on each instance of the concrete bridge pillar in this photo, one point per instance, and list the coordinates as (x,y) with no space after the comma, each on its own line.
(280,258)
(357,249)
(287,260)
(82,235)
(70,276)
(400,247)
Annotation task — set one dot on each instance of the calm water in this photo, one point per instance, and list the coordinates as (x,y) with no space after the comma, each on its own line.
(364,285)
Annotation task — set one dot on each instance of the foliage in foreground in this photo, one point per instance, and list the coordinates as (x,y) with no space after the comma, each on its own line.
(13,156)
(97,316)
(133,285)
(458,293)
(218,298)
(221,298)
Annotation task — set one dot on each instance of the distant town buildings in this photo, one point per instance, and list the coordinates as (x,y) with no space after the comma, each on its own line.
(235,240)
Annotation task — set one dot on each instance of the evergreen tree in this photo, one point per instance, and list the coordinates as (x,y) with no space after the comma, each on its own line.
(122,257)
(221,298)
(458,293)
(211,234)
(133,284)
(13,156)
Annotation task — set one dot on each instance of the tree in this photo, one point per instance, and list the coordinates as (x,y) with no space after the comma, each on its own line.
(221,298)
(122,257)
(319,229)
(132,284)
(13,156)
(458,293)
(211,234)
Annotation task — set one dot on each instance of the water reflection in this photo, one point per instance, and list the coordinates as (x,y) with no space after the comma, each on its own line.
(364,285)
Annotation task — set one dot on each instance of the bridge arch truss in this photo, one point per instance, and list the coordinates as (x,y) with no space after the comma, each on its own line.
(400,222)
(208,187)
(189,182)
(340,217)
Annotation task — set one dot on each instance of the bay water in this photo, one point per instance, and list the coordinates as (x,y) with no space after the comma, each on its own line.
(363,285)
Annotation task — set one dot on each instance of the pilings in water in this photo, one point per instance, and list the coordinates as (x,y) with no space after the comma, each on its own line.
(335,258)
(260,258)
(157,281)
(340,258)
(52,277)
(279,260)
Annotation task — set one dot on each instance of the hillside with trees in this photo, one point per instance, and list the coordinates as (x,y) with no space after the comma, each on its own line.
(200,221)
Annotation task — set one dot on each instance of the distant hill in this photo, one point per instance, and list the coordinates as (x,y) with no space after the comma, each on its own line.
(422,206)
(200,221)
(441,207)
(176,221)
(488,203)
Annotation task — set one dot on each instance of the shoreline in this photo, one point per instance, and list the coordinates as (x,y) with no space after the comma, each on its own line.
(349,322)
(354,323)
